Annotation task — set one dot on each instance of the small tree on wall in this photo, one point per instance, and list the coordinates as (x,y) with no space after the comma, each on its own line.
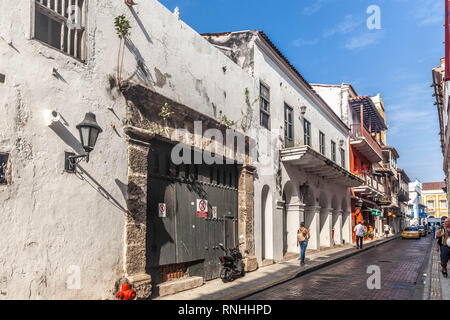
(122,26)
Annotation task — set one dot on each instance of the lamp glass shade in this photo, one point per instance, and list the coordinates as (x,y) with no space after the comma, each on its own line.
(84,136)
(89,131)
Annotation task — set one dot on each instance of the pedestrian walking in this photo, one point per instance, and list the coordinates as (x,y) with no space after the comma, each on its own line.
(443,244)
(360,230)
(436,229)
(303,236)
(386,230)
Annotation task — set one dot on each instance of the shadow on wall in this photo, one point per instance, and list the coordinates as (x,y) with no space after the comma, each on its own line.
(67,137)
(142,71)
(81,173)
(141,25)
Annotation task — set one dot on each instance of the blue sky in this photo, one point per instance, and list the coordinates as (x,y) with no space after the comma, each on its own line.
(329,42)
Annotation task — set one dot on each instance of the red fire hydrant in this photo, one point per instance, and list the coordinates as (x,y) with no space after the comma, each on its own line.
(126,293)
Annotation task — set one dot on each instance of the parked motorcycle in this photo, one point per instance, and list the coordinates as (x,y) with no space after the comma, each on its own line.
(232,263)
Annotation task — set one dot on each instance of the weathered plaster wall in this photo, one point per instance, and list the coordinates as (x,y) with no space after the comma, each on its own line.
(52,220)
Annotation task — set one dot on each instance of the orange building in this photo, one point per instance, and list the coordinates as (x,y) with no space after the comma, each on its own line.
(365,152)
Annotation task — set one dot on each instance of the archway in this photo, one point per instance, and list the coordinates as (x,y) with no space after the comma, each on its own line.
(325,221)
(290,218)
(266,224)
(336,222)
(312,218)
(346,222)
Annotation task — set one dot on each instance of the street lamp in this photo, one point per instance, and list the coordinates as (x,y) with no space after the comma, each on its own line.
(303,110)
(360,203)
(89,131)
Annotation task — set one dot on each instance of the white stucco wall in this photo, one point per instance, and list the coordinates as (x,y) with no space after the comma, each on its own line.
(284,90)
(52,220)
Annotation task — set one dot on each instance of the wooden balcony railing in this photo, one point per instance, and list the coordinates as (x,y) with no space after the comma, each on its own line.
(370,181)
(358,131)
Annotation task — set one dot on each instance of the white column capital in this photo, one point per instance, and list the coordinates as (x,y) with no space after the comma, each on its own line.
(327,210)
(295,206)
(312,209)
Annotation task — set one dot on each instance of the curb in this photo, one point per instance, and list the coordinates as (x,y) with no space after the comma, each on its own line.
(309,270)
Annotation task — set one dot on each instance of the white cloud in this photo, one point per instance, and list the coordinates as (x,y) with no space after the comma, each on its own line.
(314,7)
(349,24)
(302,42)
(362,41)
(428,12)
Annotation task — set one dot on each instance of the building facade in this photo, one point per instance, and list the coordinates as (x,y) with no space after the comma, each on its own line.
(416,208)
(434,198)
(131,214)
(314,178)
(441,86)
(376,202)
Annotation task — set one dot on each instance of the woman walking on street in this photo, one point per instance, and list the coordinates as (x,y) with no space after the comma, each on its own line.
(303,236)
(443,243)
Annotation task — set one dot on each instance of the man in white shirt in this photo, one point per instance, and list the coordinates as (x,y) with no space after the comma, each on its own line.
(387,229)
(360,229)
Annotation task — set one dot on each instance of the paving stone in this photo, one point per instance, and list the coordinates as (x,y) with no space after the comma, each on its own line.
(400,262)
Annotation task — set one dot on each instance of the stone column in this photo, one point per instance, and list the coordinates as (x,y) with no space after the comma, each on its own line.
(136,220)
(347,227)
(338,227)
(246,216)
(326,230)
(277,231)
(295,215)
(312,221)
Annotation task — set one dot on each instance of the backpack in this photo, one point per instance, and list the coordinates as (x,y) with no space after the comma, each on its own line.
(440,240)
(301,236)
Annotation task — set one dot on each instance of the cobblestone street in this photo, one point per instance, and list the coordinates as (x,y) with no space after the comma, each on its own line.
(401,263)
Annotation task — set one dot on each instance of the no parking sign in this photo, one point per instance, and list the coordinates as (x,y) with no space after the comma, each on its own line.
(202,208)
(162,211)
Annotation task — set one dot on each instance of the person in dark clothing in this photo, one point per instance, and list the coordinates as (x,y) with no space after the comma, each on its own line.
(443,245)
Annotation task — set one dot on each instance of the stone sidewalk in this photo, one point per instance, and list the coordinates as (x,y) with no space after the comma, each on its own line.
(438,286)
(271,275)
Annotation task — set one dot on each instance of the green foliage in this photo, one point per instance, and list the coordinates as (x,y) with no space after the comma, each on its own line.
(225,121)
(245,122)
(122,26)
(165,112)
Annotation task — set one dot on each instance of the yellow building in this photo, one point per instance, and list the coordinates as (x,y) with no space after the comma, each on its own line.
(378,101)
(435,199)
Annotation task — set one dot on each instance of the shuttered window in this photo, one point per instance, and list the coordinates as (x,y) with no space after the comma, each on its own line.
(264,106)
(61,24)
(288,127)
(307,132)
(3,168)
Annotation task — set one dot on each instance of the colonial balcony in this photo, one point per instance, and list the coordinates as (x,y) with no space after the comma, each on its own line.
(314,163)
(363,141)
(403,196)
(389,201)
(370,188)
(370,121)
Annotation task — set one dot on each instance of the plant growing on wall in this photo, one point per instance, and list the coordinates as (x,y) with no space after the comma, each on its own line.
(246,119)
(225,121)
(165,115)
(122,26)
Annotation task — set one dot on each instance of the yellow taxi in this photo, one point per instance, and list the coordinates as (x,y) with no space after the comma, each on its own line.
(411,233)
(422,231)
